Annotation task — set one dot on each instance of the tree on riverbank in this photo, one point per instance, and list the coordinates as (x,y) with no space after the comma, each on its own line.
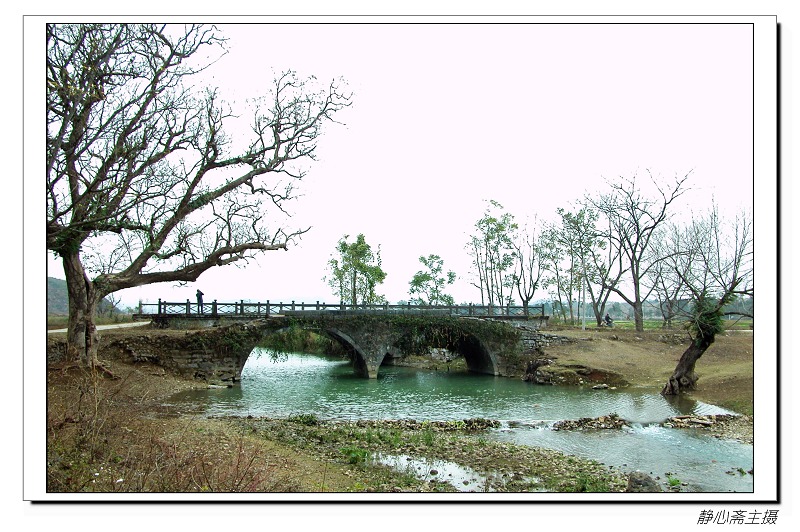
(717,268)
(147,181)
(529,255)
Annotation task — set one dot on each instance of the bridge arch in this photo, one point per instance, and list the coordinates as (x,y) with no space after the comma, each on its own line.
(370,341)
(364,351)
(478,357)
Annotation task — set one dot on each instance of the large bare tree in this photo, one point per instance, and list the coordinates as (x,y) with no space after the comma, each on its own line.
(144,170)
(717,268)
(634,218)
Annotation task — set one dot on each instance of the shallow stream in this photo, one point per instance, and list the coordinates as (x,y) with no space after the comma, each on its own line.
(328,388)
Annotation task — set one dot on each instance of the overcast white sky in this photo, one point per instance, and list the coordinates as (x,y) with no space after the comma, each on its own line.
(445,116)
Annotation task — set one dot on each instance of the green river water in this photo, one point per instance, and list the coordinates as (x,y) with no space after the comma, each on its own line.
(328,388)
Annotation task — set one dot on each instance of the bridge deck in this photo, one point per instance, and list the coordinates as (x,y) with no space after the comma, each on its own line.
(247,310)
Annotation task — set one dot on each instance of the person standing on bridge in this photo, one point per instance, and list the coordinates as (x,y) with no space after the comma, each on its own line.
(199,302)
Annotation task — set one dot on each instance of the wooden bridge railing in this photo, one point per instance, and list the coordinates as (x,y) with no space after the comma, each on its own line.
(249,309)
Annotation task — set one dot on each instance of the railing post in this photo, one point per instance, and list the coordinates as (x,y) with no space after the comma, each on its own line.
(317,305)
(280,307)
(266,313)
(292,304)
(241,306)
(159,306)
(214,308)
(188,308)
(140,306)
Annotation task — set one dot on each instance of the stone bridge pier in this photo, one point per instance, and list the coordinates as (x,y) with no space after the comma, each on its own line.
(368,350)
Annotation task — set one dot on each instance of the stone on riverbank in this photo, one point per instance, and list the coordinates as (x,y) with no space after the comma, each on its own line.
(612,421)
(724,426)
(639,482)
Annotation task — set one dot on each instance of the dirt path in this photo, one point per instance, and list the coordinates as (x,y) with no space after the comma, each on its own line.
(108,327)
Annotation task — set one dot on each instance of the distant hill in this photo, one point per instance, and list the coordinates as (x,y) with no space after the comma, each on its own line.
(57,299)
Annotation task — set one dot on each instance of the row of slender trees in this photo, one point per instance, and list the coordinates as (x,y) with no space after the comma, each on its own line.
(624,241)
(621,242)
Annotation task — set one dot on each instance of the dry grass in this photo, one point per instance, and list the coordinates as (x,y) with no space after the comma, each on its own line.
(112,436)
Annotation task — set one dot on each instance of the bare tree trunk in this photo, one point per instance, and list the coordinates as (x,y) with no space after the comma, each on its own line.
(82,338)
(638,317)
(684,378)
(353,294)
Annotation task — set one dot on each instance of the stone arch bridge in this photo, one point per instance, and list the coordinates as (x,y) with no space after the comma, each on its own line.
(218,354)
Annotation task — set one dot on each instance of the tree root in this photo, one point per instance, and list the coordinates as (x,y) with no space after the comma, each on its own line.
(100,368)
(64,367)
(103,370)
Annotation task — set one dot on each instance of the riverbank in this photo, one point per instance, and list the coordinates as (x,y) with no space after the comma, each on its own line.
(647,359)
(109,435)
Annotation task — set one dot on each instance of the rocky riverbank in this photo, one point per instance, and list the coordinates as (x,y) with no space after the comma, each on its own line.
(426,454)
